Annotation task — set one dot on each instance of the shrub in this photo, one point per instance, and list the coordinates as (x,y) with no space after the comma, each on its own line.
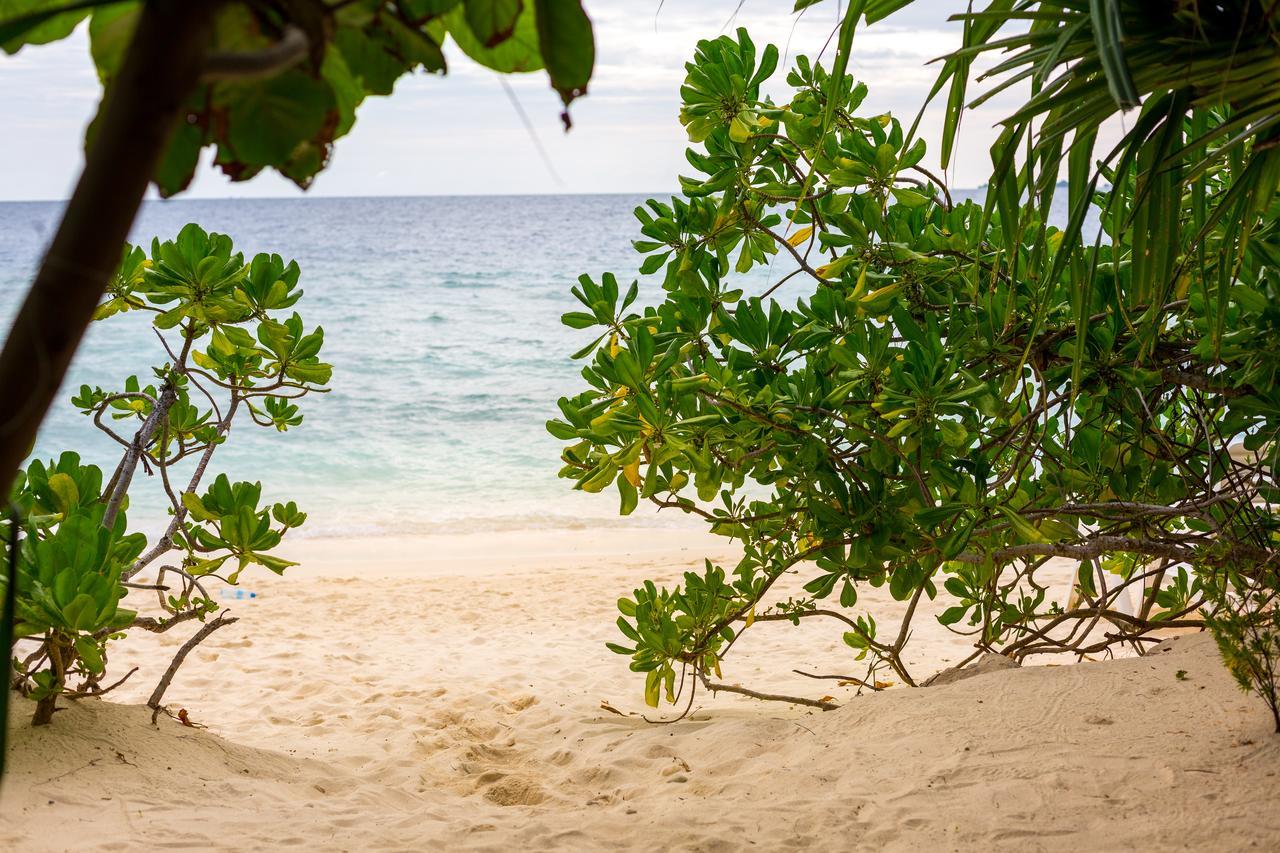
(951,399)
(232,352)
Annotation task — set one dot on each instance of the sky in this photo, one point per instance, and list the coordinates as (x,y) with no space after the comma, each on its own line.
(462,135)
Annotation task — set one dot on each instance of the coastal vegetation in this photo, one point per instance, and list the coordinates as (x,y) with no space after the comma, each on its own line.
(231,351)
(266,86)
(932,426)
(940,395)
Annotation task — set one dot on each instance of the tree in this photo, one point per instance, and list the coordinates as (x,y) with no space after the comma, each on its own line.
(234,350)
(962,390)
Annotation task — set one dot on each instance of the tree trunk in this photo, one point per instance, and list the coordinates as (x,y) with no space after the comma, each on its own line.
(139,112)
(47,704)
(44,710)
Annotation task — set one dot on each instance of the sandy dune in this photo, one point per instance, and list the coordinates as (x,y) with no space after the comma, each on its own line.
(418,694)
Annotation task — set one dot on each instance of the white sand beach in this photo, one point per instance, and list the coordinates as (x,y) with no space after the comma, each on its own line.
(445,693)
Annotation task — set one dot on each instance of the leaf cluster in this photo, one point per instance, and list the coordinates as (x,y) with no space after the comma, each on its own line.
(288,120)
(233,343)
(959,391)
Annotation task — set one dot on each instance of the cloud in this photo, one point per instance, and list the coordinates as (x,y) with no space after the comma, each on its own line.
(625,137)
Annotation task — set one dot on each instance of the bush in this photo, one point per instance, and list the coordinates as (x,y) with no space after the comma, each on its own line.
(952,400)
(231,353)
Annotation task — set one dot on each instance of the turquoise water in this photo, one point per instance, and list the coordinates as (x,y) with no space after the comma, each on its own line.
(441,319)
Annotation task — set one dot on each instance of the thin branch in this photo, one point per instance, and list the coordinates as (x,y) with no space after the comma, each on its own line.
(716,687)
(101,691)
(156,695)
(852,679)
(291,49)
(159,626)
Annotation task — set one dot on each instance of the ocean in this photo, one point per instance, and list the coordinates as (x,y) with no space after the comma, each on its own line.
(442,322)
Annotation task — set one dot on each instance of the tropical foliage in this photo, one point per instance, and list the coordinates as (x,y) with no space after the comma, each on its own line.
(233,348)
(959,391)
(341,54)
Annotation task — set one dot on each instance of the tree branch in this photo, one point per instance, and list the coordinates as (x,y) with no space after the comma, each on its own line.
(156,695)
(716,687)
(287,52)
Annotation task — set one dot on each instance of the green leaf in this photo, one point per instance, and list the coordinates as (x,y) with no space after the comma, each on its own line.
(90,653)
(1025,530)
(81,614)
(517,54)
(196,508)
(275,564)
(491,21)
(110,31)
(348,91)
(365,55)
(268,120)
(630,497)
(178,167)
(1108,35)
(567,46)
(25,22)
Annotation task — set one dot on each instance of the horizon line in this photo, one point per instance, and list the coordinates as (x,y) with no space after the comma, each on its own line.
(310,197)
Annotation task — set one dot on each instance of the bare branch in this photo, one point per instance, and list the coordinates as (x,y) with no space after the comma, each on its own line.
(156,695)
(716,687)
(288,51)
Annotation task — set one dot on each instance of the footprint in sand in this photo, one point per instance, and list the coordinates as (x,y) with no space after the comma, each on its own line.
(518,704)
(515,791)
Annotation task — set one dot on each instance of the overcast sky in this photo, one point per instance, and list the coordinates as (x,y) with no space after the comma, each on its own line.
(460,134)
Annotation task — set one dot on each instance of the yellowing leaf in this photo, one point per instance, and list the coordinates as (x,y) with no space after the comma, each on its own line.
(836,267)
(613,345)
(1025,530)
(652,686)
(861,286)
(632,473)
(887,290)
(800,236)
(1184,284)
(65,493)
